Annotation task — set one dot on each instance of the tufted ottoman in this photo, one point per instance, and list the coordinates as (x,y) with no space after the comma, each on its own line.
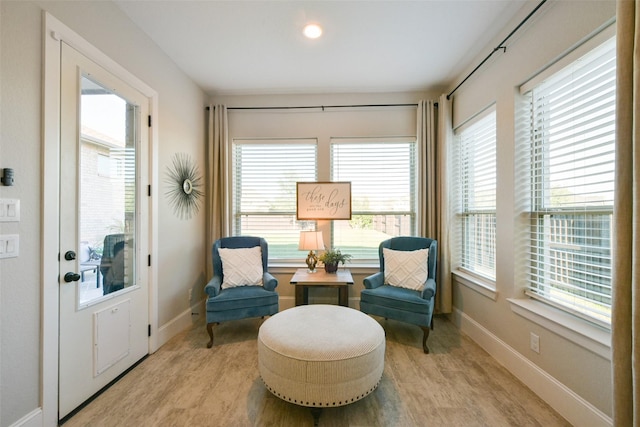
(321,355)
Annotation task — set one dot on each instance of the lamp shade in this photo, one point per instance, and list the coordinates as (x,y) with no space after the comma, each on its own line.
(310,241)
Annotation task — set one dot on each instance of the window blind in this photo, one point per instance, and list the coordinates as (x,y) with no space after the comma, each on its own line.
(264,191)
(476,195)
(572,159)
(382,173)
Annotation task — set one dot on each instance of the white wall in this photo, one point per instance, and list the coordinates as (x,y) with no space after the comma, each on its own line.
(181,128)
(556,28)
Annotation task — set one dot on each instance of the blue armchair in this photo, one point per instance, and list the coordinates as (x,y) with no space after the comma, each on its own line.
(240,301)
(400,303)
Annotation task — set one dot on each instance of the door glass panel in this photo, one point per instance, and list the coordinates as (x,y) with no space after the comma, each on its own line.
(107,157)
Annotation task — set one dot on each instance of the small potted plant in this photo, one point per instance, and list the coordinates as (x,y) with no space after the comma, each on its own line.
(331,258)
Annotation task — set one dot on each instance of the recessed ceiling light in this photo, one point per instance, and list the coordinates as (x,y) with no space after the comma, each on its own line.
(312,31)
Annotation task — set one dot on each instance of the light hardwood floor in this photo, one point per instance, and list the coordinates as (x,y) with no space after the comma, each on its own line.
(186,384)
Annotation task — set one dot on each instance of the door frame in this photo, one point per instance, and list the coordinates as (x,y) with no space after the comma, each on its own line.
(54,31)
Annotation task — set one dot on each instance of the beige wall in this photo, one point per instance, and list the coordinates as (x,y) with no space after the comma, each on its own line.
(558,27)
(182,255)
(20,149)
(181,128)
(322,125)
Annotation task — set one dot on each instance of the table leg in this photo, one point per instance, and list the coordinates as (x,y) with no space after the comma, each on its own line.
(299,295)
(343,296)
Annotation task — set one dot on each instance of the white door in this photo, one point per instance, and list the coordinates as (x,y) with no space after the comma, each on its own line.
(104,229)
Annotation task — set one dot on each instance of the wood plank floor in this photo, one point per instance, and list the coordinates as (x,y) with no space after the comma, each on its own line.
(186,384)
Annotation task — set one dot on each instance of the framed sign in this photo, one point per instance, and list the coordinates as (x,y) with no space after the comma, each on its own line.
(323,200)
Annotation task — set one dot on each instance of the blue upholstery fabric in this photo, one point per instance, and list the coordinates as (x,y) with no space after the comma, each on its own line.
(403,304)
(112,266)
(244,301)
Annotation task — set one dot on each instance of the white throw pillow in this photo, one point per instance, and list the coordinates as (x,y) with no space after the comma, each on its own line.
(241,267)
(406,269)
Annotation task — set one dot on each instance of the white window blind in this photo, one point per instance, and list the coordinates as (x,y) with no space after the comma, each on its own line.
(265,173)
(382,173)
(476,195)
(571,149)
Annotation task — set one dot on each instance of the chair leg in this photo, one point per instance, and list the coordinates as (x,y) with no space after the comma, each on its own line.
(425,335)
(210,331)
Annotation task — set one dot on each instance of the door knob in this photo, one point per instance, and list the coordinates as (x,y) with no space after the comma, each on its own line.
(71,277)
(70,255)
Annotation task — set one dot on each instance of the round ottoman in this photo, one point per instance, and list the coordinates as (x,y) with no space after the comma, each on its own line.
(321,355)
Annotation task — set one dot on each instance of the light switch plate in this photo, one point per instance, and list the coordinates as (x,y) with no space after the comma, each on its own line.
(9,245)
(9,210)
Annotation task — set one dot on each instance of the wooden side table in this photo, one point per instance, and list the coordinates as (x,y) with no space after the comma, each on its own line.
(303,280)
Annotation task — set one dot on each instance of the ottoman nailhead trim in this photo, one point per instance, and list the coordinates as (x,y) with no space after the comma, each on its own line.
(314,404)
(340,403)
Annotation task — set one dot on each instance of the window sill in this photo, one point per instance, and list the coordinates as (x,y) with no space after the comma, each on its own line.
(580,332)
(481,286)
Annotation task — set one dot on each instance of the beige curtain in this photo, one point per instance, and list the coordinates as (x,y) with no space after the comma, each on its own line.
(433,140)
(625,313)
(218,179)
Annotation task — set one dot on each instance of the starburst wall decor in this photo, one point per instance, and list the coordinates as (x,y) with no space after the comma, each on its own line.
(184,186)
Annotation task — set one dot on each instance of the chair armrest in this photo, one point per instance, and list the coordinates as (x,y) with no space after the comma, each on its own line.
(374,280)
(269,282)
(213,287)
(429,289)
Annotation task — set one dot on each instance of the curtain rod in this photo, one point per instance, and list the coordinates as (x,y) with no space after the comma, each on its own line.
(321,106)
(499,47)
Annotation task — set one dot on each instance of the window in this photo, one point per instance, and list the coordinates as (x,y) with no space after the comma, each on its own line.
(264,191)
(475,183)
(571,154)
(382,173)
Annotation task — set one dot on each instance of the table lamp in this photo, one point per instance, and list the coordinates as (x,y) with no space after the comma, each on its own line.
(311,241)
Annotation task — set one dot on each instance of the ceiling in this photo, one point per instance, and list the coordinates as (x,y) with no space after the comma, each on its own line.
(257,47)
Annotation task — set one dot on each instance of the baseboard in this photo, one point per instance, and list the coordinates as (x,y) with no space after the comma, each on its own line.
(183,321)
(286,302)
(32,419)
(562,399)
(196,314)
